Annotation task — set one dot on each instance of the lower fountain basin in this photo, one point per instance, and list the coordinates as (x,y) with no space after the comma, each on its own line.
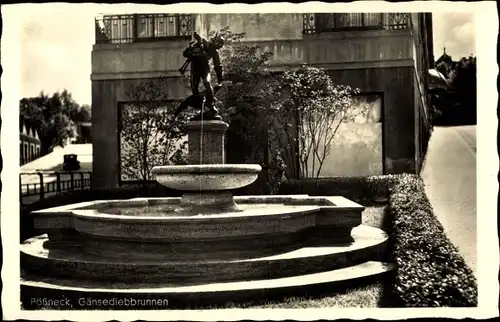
(159,218)
(147,240)
(154,228)
(206,177)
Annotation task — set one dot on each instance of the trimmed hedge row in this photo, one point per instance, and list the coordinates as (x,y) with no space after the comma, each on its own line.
(430,271)
(366,189)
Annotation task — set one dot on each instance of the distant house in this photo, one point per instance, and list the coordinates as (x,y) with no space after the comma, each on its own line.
(83,133)
(445,64)
(386,55)
(29,142)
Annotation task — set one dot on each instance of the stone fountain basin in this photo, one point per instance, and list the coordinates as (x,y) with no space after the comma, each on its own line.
(142,220)
(206,177)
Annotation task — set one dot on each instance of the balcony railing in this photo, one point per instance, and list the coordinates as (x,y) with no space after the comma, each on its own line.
(315,23)
(142,27)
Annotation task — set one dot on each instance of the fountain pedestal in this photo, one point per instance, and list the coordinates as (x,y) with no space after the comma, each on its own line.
(206,142)
(206,180)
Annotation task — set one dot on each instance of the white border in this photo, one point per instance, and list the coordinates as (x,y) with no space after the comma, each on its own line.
(487,160)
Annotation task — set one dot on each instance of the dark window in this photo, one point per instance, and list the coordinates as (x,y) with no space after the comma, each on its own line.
(328,22)
(343,21)
(25,152)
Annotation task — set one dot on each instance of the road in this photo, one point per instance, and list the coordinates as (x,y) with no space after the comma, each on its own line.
(449,174)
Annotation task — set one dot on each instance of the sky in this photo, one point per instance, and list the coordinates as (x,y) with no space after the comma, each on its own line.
(56,46)
(456,32)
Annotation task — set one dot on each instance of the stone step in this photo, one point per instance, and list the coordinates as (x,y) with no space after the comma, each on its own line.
(211,293)
(369,244)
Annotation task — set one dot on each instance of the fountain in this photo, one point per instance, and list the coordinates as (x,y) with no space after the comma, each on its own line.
(207,246)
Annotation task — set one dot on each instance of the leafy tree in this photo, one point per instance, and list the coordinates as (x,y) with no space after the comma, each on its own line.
(245,105)
(318,107)
(150,134)
(457,104)
(246,66)
(256,94)
(463,80)
(446,68)
(463,83)
(81,114)
(52,116)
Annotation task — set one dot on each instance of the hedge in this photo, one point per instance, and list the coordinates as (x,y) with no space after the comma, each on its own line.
(362,189)
(430,271)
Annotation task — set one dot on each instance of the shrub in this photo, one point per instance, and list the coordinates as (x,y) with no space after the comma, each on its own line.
(359,189)
(430,271)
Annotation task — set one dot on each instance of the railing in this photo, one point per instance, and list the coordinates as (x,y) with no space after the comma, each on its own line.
(52,183)
(314,23)
(142,27)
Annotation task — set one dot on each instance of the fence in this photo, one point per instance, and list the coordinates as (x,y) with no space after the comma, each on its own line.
(42,184)
(314,23)
(143,27)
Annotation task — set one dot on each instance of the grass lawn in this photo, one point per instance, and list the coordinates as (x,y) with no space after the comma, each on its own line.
(363,297)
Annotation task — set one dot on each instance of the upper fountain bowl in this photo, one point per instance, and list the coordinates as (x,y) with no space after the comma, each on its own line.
(206,177)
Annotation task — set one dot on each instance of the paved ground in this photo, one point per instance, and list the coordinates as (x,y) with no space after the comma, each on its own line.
(449,174)
(54,162)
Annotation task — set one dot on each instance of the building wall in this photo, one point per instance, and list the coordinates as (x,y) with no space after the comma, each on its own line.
(256,26)
(139,61)
(358,47)
(106,98)
(373,61)
(423,61)
(378,62)
(330,50)
(396,86)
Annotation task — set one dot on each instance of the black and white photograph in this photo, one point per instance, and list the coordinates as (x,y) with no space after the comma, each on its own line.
(220,161)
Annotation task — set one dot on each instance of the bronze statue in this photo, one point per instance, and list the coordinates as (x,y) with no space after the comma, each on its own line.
(198,54)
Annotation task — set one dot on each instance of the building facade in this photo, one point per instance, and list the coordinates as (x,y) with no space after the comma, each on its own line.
(29,142)
(385,55)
